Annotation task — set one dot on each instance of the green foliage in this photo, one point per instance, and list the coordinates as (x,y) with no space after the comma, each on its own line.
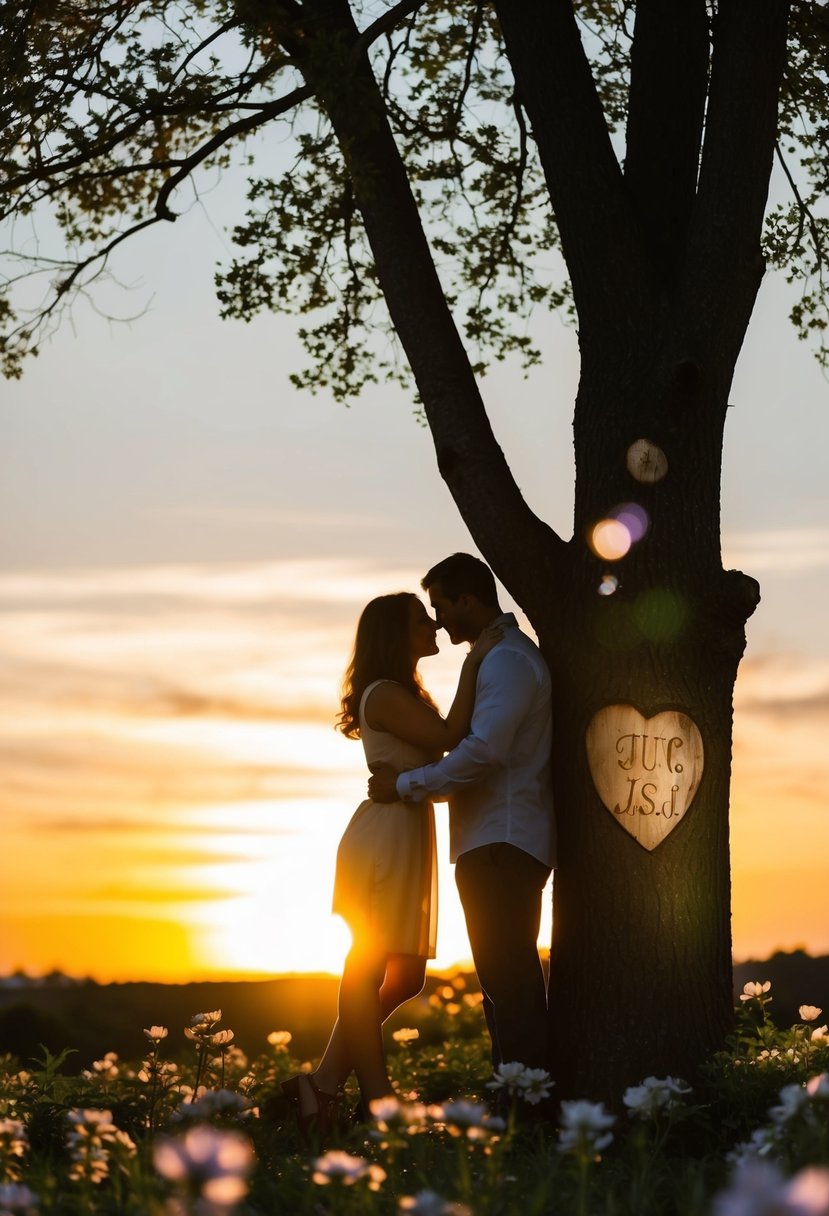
(113,114)
(90,1144)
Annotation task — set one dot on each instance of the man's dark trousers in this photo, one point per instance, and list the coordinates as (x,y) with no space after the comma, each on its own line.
(500,888)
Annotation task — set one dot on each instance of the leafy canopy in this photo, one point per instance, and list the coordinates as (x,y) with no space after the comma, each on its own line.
(115,111)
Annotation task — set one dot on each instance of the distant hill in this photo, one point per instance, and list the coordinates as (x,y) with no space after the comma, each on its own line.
(96,1018)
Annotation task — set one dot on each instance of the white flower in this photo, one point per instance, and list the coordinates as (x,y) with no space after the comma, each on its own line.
(809,1013)
(429,1203)
(654,1095)
(530,1084)
(792,1100)
(206,1019)
(759,1189)
(760,1144)
(213,1102)
(156,1033)
(213,1163)
(820,1035)
(584,1128)
(390,1113)
(339,1166)
(405,1035)
(464,1114)
(91,1139)
(280,1039)
(107,1068)
(754,989)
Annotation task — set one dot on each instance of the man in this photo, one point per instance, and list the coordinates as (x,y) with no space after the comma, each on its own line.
(501,822)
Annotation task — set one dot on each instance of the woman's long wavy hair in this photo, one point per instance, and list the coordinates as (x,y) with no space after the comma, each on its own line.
(381,652)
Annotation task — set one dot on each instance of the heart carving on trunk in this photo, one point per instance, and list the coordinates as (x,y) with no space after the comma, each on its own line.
(645,770)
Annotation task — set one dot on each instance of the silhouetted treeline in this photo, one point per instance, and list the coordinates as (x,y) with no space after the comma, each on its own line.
(96,1018)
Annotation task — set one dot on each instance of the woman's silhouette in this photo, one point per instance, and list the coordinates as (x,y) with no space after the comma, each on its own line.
(386,879)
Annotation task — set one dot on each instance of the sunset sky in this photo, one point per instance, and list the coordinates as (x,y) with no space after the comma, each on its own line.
(186,545)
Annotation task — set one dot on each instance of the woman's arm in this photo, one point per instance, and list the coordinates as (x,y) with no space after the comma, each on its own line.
(392,708)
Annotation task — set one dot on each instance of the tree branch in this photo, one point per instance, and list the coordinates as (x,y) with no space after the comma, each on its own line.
(666,110)
(470,460)
(724,265)
(591,205)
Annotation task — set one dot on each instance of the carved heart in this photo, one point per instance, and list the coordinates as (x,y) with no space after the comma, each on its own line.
(646,770)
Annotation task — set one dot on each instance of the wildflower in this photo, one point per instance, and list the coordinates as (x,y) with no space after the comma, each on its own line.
(818,1087)
(221,1038)
(429,1203)
(471,1120)
(156,1033)
(809,1013)
(584,1127)
(760,1144)
(213,1102)
(13,1145)
(405,1035)
(530,1084)
(792,1100)
(391,1115)
(280,1039)
(759,1189)
(16,1200)
(206,1019)
(754,990)
(91,1139)
(654,1095)
(820,1035)
(808,1192)
(165,1072)
(106,1069)
(210,1165)
(339,1166)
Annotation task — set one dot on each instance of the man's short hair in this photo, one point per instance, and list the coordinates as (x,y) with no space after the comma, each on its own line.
(463,574)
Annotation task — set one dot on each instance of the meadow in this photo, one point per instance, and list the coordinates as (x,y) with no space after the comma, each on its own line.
(193,1129)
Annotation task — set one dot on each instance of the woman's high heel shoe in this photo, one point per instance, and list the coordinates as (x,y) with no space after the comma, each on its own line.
(316,1111)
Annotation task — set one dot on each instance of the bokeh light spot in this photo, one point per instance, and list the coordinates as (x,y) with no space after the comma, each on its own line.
(608,584)
(660,614)
(610,539)
(635,519)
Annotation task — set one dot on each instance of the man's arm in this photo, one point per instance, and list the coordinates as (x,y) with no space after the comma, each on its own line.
(507,685)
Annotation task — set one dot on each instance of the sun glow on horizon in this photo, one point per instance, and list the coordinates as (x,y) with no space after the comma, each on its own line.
(174,789)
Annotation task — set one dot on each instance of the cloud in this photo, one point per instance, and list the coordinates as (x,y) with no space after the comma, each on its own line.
(777,550)
(783,683)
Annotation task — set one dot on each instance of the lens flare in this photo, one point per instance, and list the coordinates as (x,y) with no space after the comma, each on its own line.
(635,519)
(610,539)
(660,614)
(608,584)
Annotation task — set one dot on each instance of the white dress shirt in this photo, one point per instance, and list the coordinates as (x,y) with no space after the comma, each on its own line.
(497,780)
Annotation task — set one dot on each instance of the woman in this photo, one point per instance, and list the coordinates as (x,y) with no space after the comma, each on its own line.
(386,879)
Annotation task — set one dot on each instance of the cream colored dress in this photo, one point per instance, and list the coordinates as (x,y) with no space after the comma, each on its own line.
(385,886)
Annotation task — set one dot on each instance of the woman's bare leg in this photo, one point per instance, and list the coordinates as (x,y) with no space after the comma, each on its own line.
(367,997)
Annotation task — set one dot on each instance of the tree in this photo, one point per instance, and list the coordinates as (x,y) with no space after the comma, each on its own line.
(444,153)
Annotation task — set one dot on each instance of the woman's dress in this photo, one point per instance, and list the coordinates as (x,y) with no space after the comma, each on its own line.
(385,886)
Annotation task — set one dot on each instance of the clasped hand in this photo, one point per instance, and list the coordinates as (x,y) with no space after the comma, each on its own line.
(382,784)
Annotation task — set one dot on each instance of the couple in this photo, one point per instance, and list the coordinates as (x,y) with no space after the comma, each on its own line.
(496,777)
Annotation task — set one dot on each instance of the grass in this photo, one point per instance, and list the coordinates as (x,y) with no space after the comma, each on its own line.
(196,1136)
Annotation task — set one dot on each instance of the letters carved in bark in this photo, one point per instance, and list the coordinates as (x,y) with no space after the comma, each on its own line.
(646,770)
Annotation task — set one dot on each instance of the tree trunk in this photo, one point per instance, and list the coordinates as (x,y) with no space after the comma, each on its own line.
(641,952)
(640,976)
